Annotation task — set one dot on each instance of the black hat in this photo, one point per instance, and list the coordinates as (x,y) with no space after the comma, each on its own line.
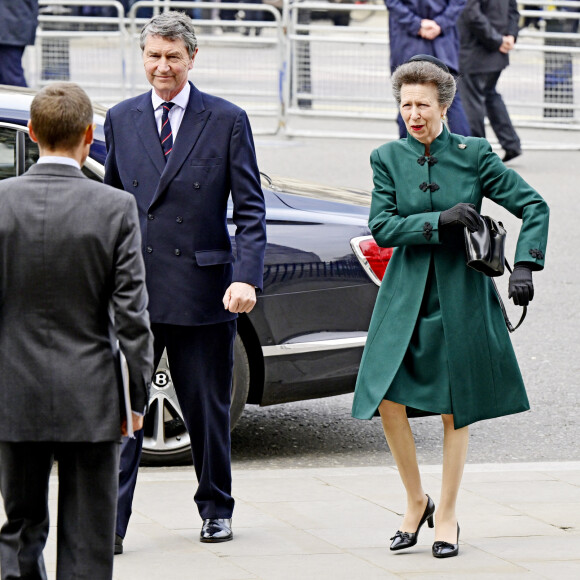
(431,59)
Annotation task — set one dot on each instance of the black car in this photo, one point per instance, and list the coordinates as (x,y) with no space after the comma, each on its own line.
(305,336)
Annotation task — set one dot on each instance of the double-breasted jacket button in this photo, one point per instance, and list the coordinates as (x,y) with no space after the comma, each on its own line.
(150,216)
(149,249)
(179,219)
(196,185)
(135,183)
(177,252)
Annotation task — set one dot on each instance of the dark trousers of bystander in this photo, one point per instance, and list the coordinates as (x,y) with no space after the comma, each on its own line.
(481,98)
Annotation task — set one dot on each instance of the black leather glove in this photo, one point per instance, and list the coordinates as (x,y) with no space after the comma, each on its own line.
(463,214)
(521,287)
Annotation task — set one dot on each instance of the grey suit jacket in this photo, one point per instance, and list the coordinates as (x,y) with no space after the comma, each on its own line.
(69,249)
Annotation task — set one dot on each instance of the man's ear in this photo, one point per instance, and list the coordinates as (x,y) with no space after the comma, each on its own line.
(89,134)
(31,132)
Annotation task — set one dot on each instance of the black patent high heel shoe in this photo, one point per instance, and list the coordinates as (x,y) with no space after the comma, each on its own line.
(402,540)
(445,549)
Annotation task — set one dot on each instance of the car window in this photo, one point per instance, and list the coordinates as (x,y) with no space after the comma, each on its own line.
(30,152)
(7,152)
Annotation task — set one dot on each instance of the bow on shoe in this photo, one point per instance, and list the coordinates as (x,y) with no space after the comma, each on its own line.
(402,535)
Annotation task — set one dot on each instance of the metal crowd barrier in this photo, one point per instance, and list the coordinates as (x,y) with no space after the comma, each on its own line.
(290,69)
(344,73)
(241,59)
(84,49)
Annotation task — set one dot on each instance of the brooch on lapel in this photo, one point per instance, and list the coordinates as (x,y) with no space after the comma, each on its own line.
(462,146)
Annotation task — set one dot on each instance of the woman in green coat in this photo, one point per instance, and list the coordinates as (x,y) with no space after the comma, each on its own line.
(437,342)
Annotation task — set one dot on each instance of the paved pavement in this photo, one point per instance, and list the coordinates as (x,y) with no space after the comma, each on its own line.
(517,521)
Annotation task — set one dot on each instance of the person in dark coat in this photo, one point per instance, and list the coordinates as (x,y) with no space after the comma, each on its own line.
(427,27)
(182,153)
(488,31)
(18,21)
(437,341)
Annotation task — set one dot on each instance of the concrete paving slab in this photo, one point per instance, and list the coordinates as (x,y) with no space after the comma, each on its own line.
(559,515)
(529,491)
(561,570)
(418,560)
(315,567)
(517,520)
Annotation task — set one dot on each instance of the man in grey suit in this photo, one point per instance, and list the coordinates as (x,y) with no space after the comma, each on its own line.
(71,275)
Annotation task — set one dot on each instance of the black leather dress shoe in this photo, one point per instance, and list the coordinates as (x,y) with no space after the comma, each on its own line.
(216,530)
(445,549)
(402,540)
(511,154)
(118,544)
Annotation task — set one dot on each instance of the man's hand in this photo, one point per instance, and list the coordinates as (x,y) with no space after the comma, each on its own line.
(429,29)
(137,424)
(240,297)
(508,44)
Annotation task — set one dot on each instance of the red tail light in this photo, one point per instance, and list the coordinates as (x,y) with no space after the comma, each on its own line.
(373,258)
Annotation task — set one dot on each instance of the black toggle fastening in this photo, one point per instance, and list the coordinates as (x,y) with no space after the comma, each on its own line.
(428,186)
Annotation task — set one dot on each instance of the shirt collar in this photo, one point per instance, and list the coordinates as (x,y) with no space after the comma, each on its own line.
(181,99)
(58,160)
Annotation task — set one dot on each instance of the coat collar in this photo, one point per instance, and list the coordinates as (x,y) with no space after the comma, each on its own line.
(440,143)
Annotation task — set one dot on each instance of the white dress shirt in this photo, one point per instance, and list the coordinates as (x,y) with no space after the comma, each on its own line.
(59,160)
(176,113)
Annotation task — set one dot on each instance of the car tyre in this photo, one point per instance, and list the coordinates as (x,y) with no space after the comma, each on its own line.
(166,441)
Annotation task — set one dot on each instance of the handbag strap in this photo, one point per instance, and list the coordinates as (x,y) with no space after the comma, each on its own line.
(509,325)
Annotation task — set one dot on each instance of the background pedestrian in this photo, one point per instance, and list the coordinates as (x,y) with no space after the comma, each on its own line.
(488,31)
(427,27)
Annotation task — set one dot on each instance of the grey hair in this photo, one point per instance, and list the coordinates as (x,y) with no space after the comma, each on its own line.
(423,73)
(173,25)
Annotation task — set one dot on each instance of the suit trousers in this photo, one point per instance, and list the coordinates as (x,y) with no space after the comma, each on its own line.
(456,119)
(480,97)
(201,363)
(87,476)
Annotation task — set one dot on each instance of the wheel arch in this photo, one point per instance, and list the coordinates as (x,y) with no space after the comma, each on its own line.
(253,348)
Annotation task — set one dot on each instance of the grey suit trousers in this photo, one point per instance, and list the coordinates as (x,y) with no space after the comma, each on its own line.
(87,498)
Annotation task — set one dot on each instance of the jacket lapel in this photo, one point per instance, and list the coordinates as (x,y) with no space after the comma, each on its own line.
(144,123)
(192,125)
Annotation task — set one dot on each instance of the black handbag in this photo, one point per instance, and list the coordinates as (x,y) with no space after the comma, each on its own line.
(485,251)
(485,248)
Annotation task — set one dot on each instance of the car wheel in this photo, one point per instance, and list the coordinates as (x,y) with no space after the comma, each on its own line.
(166,440)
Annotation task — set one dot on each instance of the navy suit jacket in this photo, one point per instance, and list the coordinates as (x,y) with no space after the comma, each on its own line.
(183,203)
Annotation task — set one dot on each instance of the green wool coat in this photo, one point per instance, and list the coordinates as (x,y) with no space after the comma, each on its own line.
(409,193)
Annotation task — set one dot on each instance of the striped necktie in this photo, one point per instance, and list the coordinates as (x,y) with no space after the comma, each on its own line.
(166,133)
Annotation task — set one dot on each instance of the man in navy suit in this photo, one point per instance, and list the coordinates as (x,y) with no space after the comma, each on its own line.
(181,153)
